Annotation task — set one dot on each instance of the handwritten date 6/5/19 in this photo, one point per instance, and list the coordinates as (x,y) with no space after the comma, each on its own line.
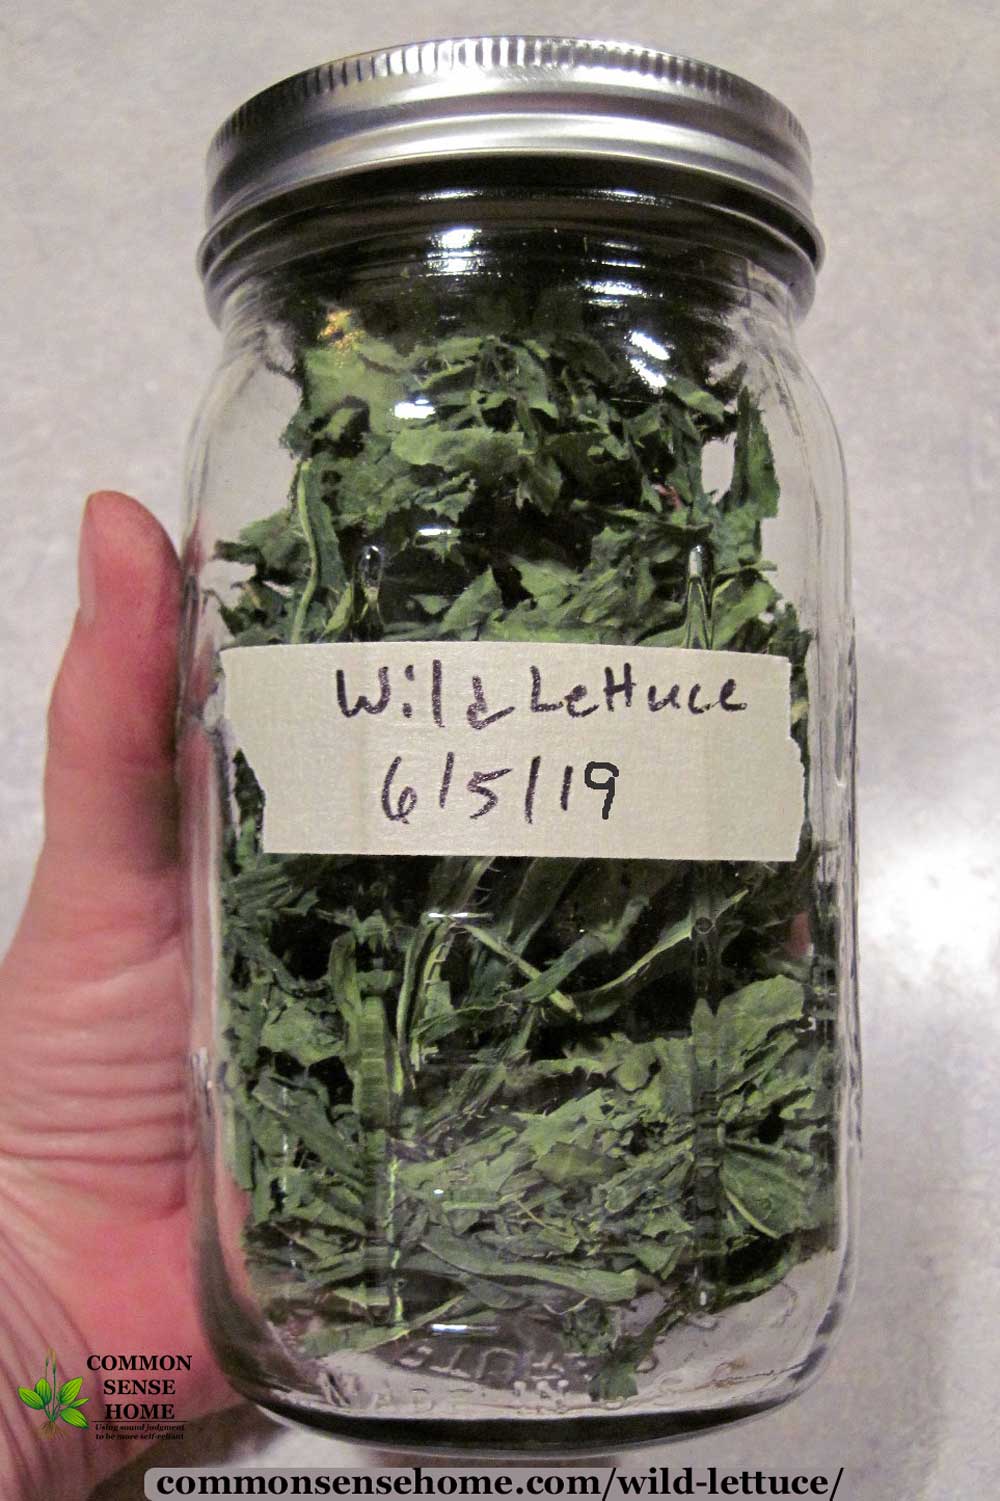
(482,792)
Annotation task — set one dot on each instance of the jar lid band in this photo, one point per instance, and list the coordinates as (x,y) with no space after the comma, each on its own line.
(509,96)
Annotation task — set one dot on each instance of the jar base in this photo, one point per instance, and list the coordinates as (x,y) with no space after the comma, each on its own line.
(505,1440)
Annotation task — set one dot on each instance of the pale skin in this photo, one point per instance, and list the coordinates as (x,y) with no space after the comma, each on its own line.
(94,1221)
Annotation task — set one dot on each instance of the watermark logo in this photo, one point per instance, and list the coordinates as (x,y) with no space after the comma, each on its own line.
(58,1403)
(152,1379)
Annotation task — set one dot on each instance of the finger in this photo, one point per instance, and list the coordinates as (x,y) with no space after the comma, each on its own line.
(110,805)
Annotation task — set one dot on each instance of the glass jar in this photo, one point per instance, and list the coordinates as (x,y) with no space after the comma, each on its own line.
(517,752)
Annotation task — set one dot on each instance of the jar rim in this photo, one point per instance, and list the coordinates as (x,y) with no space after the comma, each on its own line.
(511,96)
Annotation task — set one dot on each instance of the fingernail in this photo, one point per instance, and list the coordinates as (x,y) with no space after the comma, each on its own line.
(87,570)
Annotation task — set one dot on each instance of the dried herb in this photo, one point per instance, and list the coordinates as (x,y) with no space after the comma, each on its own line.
(589,1094)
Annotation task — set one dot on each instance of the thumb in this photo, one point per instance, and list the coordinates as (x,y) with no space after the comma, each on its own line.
(106,886)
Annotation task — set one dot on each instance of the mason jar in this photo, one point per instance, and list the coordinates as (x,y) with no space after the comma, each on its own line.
(516,744)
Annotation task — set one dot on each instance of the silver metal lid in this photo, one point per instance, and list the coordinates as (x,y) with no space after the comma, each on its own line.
(464,97)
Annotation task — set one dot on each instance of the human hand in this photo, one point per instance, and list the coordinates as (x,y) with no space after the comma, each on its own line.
(94,1225)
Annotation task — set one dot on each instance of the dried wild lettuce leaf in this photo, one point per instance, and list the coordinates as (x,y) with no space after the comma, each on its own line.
(474,1090)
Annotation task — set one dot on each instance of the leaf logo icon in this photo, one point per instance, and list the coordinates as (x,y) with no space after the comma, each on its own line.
(56,1402)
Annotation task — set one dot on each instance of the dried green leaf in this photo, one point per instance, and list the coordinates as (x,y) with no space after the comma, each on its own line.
(492,1077)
